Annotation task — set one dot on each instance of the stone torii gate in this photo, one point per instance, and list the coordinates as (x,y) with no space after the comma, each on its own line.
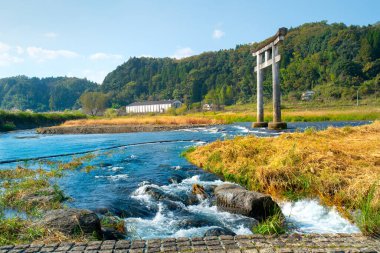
(266,55)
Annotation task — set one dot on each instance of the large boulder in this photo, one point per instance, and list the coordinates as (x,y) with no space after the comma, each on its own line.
(219,231)
(236,199)
(73,222)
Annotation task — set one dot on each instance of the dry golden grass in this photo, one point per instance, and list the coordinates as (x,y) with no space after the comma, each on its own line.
(338,165)
(145,120)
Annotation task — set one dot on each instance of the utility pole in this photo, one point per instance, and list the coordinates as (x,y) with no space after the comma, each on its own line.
(357,97)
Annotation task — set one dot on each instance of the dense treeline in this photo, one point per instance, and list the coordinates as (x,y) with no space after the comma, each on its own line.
(334,60)
(46,94)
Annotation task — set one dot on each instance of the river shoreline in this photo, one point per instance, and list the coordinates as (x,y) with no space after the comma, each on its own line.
(110,129)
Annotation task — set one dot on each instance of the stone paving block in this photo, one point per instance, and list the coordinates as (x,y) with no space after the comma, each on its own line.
(233,250)
(250,250)
(122,244)
(211,243)
(32,249)
(47,249)
(184,248)
(267,250)
(284,250)
(199,248)
(170,248)
(215,247)
(230,247)
(194,239)
(228,242)
(169,244)
(136,251)
(217,251)
(198,243)
(183,243)
(152,250)
(168,240)
(78,248)
(182,239)
(211,238)
(226,237)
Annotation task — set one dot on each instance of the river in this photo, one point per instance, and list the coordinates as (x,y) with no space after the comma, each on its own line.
(128,163)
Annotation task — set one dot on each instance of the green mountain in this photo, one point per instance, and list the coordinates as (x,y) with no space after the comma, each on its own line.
(53,93)
(333,59)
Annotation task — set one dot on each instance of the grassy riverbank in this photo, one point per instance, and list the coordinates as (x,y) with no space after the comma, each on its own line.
(300,114)
(145,120)
(341,166)
(234,115)
(29,193)
(27,120)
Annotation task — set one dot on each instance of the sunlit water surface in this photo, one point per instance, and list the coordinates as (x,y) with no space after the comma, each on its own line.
(128,163)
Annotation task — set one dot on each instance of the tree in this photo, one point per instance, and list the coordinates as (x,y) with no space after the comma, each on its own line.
(93,103)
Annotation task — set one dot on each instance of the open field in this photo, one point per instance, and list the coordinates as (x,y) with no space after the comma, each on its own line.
(339,166)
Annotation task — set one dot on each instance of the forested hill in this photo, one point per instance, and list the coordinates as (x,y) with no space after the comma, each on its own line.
(53,93)
(332,59)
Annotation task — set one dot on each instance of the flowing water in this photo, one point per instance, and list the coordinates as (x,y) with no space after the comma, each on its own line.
(129,164)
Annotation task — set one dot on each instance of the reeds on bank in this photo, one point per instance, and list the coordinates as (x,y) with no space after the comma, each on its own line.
(340,166)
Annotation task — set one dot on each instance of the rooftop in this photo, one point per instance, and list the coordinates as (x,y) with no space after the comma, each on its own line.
(161,102)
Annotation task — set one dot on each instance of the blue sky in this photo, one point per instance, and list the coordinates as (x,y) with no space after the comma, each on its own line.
(90,38)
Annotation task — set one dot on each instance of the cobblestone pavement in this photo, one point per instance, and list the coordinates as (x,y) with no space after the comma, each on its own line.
(337,243)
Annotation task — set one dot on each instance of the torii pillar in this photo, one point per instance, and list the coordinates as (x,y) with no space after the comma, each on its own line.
(267,55)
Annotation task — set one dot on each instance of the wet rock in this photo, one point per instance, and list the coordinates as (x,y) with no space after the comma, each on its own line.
(175,179)
(191,200)
(199,190)
(72,222)
(236,199)
(112,234)
(218,232)
(172,205)
(110,211)
(159,194)
(187,223)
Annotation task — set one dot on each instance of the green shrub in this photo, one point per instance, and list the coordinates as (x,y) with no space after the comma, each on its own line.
(274,225)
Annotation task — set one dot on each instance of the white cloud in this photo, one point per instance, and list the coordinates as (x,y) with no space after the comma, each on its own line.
(183,53)
(41,54)
(217,34)
(51,35)
(7,56)
(95,76)
(104,56)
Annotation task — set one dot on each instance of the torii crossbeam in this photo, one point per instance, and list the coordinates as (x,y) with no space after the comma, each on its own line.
(267,55)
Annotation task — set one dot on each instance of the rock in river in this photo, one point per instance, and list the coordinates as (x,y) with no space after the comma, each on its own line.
(236,199)
(218,232)
(72,222)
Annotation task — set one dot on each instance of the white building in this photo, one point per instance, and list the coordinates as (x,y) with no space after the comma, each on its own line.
(152,106)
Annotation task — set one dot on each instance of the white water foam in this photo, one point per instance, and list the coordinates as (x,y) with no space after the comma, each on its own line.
(116,168)
(309,216)
(114,177)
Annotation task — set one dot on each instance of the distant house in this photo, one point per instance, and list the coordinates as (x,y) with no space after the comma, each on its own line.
(207,107)
(307,95)
(152,106)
